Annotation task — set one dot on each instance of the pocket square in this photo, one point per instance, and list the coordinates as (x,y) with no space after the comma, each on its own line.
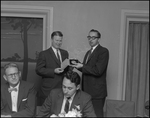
(24,99)
(77,106)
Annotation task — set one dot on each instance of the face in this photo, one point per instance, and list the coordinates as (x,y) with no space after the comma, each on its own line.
(57,42)
(69,88)
(93,39)
(12,76)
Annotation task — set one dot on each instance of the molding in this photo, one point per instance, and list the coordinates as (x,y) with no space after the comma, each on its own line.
(126,17)
(33,11)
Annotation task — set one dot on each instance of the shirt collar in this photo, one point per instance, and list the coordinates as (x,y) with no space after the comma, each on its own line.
(71,97)
(93,48)
(16,86)
(54,49)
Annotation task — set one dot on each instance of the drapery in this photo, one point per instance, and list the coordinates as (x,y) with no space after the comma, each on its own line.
(137,81)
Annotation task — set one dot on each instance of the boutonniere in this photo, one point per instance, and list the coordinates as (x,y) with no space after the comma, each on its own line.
(75,112)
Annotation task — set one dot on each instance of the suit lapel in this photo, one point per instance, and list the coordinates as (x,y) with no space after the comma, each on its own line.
(8,96)
(53,55)
(84,61)
(76,100)
(20,93)
(62,55)
(59,102)
(93,53)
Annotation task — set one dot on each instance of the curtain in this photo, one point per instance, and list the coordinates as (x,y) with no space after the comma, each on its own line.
(137,81)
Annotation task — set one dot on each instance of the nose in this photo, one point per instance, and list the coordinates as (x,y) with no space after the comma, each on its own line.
(13,76)
(91,39)
(65,91)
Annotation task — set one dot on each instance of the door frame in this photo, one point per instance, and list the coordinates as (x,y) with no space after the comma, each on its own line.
(126,17)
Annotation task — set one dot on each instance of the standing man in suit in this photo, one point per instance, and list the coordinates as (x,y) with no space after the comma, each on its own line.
(94,69)
(17,96)
(69,97)
(48,66)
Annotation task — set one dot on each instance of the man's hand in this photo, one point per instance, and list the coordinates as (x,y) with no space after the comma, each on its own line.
(78,65)
(58,70)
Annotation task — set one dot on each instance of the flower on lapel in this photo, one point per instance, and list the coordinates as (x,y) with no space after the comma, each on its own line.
(75,112)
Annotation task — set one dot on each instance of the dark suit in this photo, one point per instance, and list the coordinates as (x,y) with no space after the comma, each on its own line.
(53,103)
(26,100)
(46,64)
(94,75)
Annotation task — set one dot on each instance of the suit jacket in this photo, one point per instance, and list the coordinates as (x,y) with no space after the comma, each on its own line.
(94,72)
(53,103)
(46,64)
(26,100)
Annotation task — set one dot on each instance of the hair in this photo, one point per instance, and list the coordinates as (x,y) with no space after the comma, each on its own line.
(56,33)
(73,77)
(8,65)
(98,33)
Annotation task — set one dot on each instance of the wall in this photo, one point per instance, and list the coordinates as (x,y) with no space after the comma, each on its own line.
(76,18)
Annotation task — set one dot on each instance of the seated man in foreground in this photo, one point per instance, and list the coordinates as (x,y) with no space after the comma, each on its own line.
(69,98)
(17,96)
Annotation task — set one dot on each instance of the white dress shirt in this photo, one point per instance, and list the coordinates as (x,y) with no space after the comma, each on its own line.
(64,102)
(93,48)
(55,51)
(14,98)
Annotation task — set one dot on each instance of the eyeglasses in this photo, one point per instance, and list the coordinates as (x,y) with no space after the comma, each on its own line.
(14,74)
(93,37)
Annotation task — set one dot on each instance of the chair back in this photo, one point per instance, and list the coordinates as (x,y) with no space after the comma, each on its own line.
(120,108)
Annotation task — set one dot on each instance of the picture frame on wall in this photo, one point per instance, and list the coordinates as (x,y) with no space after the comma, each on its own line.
(25,31)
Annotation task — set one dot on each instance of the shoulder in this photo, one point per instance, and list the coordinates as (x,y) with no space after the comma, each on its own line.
(84,95)
(26,84)
(45,51)
(64,51)
(102,49)
(4,86)
(56,91)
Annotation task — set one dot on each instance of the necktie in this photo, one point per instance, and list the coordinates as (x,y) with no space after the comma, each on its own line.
(12,89)
(89,54)
(67,105)
(58,57)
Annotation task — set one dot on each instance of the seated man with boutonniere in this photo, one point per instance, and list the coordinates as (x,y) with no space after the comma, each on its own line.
(69,101)
(17,96)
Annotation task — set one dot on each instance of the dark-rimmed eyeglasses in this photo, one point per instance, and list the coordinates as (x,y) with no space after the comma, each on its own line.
(14,74)
(91,37)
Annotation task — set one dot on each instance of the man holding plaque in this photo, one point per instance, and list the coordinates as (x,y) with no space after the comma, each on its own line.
(94,69)
(49,66)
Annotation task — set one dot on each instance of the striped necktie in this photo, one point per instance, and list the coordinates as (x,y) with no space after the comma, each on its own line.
(58,57)
(89,54)
(67,105)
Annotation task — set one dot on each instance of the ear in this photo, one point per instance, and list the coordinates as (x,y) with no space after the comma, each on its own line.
(19,73)
(4,76)
(78,87)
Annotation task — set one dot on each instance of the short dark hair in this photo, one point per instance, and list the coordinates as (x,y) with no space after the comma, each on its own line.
(56,33)
(73,77)
(98,33)
(11,64)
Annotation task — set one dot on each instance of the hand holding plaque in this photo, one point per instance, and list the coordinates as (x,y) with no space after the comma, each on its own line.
(74,61)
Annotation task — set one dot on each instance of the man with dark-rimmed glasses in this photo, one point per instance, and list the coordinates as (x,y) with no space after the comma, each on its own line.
(18,97)
(94,69)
